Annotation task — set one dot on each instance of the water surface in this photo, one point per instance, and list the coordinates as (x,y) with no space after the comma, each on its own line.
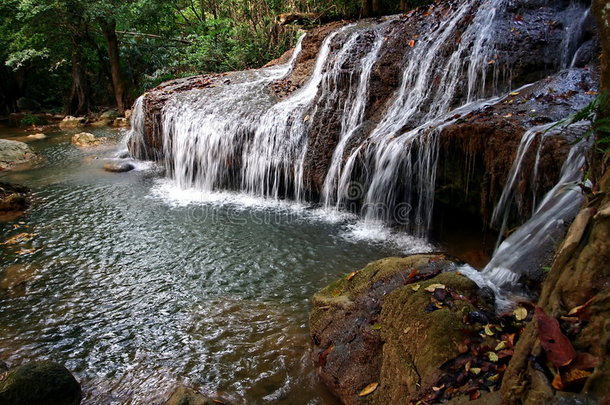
(137,287)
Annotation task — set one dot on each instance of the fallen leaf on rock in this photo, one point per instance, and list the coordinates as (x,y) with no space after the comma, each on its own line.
(557,383)
(336,293)
(324,355)
(415,287)
(433,287)
(488,330)
(22,237)
(368,389)
(581,309)
(475,395)
(412,43)
(558,348)
(520,313)
(500,346)
(413,273)
(376,327)
(475,370)
(492,357)
(575,376)
(351,275)
(515,93)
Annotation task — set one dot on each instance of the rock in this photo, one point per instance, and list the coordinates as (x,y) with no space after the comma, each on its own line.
(27,104)
(40,383)
(87,140)
(120,122)
(128,114)
(187,396)
(71,122)
(118,167)
(37,136)
(110,115)
(13,197)
(370,327)
(14,153)
(102,122)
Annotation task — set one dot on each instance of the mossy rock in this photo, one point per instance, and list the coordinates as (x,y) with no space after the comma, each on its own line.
(40,383)
(374,325)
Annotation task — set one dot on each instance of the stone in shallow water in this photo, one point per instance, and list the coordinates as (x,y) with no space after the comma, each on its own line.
(13,197)
(14,153)
(37,136)
(72,122)
(41,383)
(187,396)
(118,167)
(87,140)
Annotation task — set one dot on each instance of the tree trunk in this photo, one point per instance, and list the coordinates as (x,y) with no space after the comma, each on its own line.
(376,7)
(118,84)
(79,95)
(365,8)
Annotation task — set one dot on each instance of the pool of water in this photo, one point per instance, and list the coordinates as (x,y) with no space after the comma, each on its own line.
(138,287)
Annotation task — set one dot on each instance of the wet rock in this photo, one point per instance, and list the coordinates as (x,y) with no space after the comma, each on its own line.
(118,167)
(187,396)
(87,140)
(13,197)
(120,122)
(36,137)
(102,122)
(374,326)
(110,114)
(127,114)
(13,153)
(40,383)
(70,122)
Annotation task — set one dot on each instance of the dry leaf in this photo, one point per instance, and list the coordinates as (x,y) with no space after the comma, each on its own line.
(351,275)
(433,287)
(368,389)
(376,326)
(412,43)
(581,308)
(557,383)
(413,273)
(520,313)
(515,93)
(558,348)
(415,287)
(500,346)
(488,330)
(492,356)
(475,370)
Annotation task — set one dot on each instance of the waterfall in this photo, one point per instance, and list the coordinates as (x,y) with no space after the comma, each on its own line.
(382,161)
(523,252)
(401,165)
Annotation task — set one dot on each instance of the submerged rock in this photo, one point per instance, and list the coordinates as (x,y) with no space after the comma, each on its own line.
(70,122)
(13,197)
(39,383)
(187,396)
(389,324)
(37,136)
(13,153)
(120,122)
(87,140)
(118,167)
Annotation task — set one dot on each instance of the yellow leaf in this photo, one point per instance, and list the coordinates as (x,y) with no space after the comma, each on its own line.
(488,330)
(368,389)
(351,275)
(520,313)
(415,287)
(376,326)
(475,370)
(494,378)
(500,346)
(336,293)
(492,356)
(433,287)
(515,93)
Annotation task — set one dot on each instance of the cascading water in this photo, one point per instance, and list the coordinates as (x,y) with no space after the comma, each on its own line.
(382,163)
(520,254)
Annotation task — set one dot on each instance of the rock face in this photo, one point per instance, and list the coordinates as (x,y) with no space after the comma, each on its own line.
(87,140)
(13,197)
(377,326)
(14,153)
(70,122)
(40,383)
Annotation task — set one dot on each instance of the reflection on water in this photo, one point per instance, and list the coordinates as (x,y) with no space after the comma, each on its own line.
(135,294)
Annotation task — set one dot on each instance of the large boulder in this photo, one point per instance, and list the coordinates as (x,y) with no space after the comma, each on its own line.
(40,383)
(13,197)
(14,153)
(70,122)
(392,324)
(87,140)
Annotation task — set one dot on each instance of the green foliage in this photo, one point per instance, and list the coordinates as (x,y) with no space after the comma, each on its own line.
(30,120)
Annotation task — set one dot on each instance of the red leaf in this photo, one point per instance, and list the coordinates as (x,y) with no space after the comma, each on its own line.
(413,273)
(558,348)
